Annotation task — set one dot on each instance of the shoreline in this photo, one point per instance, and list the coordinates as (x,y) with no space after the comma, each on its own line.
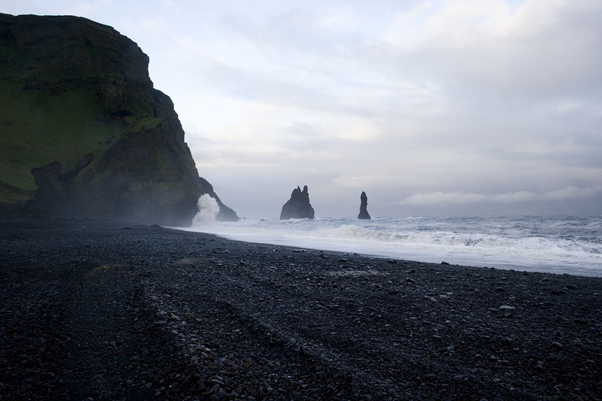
(111,310)
(408,255)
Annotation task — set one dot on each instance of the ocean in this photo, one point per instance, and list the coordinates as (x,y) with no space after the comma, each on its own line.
(557,244)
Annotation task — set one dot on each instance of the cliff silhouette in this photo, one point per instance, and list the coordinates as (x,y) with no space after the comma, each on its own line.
(83,132)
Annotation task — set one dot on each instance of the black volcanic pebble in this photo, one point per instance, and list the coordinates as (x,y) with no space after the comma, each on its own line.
(94,311)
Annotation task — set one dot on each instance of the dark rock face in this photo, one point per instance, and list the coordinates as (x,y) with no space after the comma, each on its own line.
(225,213)
(84,131)
(364,215)
(298,206)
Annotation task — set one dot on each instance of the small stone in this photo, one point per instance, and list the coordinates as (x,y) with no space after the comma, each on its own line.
(557,345)
(507,307)
(113,343)
(148,385)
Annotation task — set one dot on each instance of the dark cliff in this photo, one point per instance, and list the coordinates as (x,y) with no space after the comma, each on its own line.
(298,206)
(364,215)
(82,130)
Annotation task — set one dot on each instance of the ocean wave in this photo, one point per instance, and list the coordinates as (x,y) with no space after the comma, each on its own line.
(208,210)
(502,241)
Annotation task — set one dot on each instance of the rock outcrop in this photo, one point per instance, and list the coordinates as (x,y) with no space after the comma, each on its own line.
(84,133)
(225,213)
(364,215)
(298,206)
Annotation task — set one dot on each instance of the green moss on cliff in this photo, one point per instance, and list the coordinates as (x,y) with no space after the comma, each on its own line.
(41,128)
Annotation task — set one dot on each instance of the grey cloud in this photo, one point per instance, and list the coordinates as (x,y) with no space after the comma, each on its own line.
(443,198)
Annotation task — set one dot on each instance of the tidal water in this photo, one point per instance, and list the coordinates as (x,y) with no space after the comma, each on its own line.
(558,244)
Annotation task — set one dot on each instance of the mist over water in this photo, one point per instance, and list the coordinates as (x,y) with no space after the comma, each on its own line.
(549,244)
(208,210)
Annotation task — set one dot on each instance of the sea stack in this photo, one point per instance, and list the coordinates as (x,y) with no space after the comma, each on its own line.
(364,215)
(298,206)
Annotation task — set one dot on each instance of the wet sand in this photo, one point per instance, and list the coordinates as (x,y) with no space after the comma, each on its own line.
(106,310)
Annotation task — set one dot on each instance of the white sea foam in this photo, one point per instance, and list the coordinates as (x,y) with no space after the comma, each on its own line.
(208,210)
(558,244)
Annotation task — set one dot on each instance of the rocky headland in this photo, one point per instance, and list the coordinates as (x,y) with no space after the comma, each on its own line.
(298,206)
(84,132)
(364,215)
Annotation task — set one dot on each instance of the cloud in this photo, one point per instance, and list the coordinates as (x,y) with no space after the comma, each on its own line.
(520,196)
(571,192)
(446,198)
(85,9)
(438,198)
(538,48)
(365,181)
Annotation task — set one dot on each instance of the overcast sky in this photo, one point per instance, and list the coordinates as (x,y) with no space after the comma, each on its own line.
(453,107)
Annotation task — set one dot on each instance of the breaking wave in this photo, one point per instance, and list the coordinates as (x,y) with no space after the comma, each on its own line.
(208,210)
(553,244)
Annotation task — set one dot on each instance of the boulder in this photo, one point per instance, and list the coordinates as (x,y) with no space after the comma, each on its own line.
(298,206)
(364,215)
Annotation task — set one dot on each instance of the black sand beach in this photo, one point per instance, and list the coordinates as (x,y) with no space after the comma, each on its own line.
(103,310)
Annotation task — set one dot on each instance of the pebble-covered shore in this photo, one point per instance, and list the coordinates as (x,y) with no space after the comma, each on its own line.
(102,310)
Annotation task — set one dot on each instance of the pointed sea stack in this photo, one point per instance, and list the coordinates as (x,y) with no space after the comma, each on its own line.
(298,206)
(364,215)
